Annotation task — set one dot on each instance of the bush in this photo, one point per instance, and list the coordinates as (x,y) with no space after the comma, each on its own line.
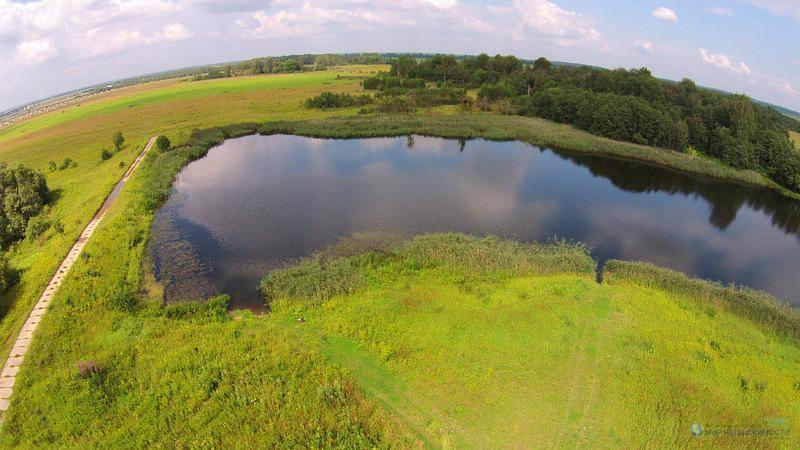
(105,154)
(36,226)
(163,143)
(23,194)
(67,164)
(8,275)
(117,140)
(314,280)
(332,100)
(384,83)
(423,97)
(395,104)
(87,369)
(494,92)
(212,310)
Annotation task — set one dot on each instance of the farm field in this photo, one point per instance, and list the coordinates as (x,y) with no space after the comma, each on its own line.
(437,343)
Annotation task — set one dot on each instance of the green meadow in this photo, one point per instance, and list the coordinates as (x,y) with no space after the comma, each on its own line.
(444,341)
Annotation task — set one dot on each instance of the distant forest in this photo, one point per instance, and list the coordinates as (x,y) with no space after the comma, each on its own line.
(629,105)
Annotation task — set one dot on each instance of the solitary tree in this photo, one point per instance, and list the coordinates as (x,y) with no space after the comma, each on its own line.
(542,63)
(118,140)
(163,143)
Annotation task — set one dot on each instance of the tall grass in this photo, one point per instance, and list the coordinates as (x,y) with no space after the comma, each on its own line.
(319,278)
(757,306)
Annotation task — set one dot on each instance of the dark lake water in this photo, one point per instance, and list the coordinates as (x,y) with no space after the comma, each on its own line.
(255,202)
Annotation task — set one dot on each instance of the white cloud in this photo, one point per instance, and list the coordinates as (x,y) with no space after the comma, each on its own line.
(641,43)
(175,32)
(547,18)
(785,88)
(102,41)
(320,17)
(720,11)
(723,62)
(664,13)
(789,8)
(444,4)
(34,52)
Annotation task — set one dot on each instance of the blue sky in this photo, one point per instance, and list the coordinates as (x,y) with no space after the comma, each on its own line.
(51,46)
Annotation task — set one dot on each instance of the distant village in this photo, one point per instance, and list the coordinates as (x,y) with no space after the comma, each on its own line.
(12,116)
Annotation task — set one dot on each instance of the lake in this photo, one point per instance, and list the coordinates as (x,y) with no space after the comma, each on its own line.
(256,202)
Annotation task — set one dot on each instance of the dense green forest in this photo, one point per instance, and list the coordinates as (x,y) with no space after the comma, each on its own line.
(628,105)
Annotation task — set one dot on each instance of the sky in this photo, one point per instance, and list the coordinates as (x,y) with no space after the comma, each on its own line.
(52,46)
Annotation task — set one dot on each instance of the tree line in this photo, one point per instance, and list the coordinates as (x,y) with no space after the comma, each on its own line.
(284,64)
(629,105)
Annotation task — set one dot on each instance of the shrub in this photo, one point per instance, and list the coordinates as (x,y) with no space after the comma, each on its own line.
(8,275)
(122,300)
(494,92)
(23,194)
(117,140)
(58,226)
(212,310)
(314,280)
(87,369)
(105,154)
(67,164)
(327,100)
(163,143)
(423,97)
(395,104)
(52,166)
(36,226)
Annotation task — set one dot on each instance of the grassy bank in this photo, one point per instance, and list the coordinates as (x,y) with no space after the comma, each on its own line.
(489,343)
(442,341)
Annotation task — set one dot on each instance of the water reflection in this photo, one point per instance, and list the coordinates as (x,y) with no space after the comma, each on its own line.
(257,201)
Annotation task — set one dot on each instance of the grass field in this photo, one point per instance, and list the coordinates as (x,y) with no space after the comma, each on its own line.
(445,342)
(514,360)
(544,354)
(796,138)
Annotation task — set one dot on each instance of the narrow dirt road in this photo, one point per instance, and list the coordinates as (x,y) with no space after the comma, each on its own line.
(9,374)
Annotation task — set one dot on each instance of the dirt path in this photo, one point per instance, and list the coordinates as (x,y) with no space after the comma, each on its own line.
(9,374)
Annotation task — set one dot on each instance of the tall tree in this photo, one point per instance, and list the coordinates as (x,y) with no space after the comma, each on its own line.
(118,140)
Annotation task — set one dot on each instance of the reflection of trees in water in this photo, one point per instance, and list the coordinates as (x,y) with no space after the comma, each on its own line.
(725,198)
(177,263)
